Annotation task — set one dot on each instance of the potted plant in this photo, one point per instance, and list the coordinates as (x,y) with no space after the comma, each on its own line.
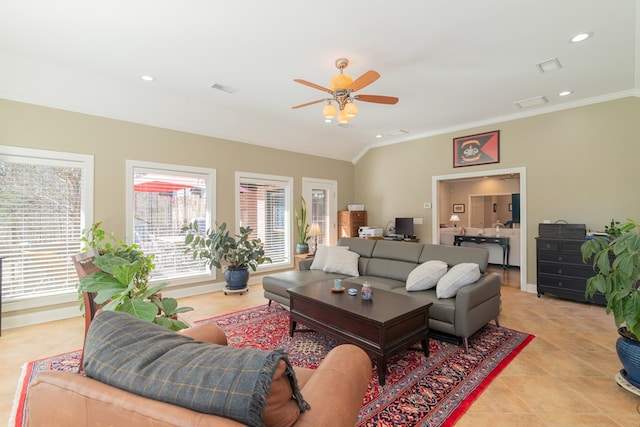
(116,288)
(616,261)
(122,282)
(217,247)
(102,243)
(303,228)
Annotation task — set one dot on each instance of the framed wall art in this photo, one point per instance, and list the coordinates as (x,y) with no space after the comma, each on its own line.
(458,208)
(479,149)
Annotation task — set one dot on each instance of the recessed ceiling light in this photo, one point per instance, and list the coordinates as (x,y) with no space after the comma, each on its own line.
(378,136)
(565,93)
(147,78)
(327,120)
(580,37)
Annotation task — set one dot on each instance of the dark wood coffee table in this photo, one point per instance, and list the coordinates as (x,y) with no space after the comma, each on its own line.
(383,326)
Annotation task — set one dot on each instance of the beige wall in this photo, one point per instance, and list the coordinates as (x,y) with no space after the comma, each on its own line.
(113,141)
(581,166)
(561,151)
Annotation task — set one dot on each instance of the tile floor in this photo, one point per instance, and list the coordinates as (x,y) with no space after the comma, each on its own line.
(564,377)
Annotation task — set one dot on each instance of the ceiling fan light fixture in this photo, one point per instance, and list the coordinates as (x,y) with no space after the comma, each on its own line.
(340,90)
(343,118)
(329,111)
(340,81)
(351,109)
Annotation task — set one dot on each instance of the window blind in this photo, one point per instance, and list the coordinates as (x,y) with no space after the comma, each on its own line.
(41,221)
(263,207)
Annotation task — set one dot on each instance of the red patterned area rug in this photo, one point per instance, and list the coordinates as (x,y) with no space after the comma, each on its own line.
(419,391)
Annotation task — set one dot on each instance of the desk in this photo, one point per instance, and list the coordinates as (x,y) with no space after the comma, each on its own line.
(502,241)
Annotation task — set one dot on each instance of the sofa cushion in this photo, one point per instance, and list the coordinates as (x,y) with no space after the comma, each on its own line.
(376,282)
(426,275)
(453,255)
(343,262)
(363,247)
(459,276)
(322,254)
(391,268)
(152,361)
(400,251)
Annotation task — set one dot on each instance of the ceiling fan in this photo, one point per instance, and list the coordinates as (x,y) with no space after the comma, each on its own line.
(341,88)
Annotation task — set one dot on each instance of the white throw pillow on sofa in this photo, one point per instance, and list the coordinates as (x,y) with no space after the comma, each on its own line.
(322,253)
(426,275)
(343,262)
(459,276)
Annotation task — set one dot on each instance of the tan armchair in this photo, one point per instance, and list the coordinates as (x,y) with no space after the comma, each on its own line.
(59,399)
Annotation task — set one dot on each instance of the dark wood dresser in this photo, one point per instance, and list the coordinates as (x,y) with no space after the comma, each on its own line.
(561,271)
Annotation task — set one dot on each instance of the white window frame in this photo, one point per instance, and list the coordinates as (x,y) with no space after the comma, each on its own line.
(210,208)
(37,156)
(287,182)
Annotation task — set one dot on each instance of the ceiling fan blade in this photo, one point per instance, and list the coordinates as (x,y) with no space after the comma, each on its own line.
(308,103)
(313,85)
(377,98)
(364,80)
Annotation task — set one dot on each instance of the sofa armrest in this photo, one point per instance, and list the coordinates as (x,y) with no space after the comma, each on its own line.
(305,264)
(487,287)
(207,332)
(336,389)
(59,399)
(477,304)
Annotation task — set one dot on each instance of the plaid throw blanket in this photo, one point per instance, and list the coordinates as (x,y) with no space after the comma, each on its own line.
(152,361)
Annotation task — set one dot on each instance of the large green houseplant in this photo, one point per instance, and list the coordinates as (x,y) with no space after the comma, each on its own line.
(302,228)
(616,262)
(217,247)
(122,282)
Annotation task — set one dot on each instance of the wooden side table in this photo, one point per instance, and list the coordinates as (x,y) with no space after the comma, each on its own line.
(300,257)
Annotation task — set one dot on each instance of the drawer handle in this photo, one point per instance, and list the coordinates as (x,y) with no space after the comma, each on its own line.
(559,271)
(559,284)
(560,258)
(548,246)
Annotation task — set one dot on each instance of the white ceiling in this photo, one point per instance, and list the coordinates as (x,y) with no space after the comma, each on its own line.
(452,63)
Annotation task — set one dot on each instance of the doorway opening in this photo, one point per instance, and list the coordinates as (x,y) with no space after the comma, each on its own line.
(437,218)
(321,196)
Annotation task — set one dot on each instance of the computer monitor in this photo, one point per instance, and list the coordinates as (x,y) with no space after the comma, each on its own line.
(404,227)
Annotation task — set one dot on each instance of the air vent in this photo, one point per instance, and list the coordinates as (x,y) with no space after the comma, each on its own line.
(531,102)
(224,88)
(397,132)
(549,65)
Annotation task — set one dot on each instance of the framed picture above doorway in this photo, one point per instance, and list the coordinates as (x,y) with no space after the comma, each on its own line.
(479,149)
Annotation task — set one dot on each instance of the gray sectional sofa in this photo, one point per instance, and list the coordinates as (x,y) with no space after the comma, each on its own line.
(387,264)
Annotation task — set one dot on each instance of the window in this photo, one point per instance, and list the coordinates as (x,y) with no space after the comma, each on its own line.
(264,205)
(162,198)
(45,203)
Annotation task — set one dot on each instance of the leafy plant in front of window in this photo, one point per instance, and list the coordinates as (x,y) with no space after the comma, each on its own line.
(217,246)
(301,223)
(103,243)
(122,283)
